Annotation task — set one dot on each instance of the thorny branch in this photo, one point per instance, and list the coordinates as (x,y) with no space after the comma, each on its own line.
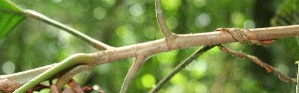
(83,61)
(158,46)
(169,36)
(257,61)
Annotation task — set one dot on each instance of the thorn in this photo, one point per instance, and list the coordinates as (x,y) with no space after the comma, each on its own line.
(162,23)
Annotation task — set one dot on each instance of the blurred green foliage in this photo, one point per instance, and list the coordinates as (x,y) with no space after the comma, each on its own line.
(124,22)
(10,17)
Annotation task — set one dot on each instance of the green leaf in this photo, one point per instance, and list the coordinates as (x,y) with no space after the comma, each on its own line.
(10,16)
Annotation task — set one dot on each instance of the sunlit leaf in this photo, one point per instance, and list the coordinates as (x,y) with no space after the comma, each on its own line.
(10,16)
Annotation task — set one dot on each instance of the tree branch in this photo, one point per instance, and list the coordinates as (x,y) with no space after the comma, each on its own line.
(154,47)
(95,43)
(181,66)
(140,59)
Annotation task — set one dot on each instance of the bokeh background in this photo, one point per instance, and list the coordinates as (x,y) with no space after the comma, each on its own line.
(118,23)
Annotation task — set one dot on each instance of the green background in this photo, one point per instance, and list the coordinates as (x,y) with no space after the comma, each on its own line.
(118,23)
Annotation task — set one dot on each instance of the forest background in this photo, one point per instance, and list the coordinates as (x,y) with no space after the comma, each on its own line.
(118,23)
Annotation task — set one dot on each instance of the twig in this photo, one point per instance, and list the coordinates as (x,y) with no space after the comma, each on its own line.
(95,43)
(162,23)
(64,79)
(181,66)
(53,89)
(257,61)
(140,59)
(75,86)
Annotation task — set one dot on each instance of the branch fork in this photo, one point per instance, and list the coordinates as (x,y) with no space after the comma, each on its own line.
(140,58)
(139,61)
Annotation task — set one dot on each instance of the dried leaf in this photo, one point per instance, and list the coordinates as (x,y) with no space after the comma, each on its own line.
(87,89)
(68,90)
(268,68)
(267,42)
(8,86)
(53,89)
(75,86)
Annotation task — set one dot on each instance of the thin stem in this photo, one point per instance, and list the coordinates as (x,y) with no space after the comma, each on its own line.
(162,23)
(181,66)
(259,62)
(62,80)
(132,73)
(95,43)
(76,59)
